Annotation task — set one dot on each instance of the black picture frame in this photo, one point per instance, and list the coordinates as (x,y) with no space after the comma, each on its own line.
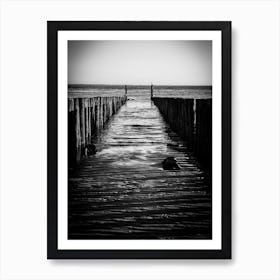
(52,102)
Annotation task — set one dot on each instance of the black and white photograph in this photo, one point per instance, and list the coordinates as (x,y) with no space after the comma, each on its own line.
(139,139)
(138,125)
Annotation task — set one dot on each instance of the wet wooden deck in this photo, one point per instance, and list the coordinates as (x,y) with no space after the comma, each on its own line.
(122,192)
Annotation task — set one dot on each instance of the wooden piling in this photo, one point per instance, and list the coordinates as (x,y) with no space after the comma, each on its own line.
(89,124)
(86,116)
(86,122)
(203,133)
(125,90)
(192,120)
(82,121)
(77,124)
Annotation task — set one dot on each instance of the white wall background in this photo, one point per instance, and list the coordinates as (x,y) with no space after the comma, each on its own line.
(255,130)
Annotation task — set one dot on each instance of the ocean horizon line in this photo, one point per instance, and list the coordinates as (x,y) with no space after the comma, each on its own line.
(136,85)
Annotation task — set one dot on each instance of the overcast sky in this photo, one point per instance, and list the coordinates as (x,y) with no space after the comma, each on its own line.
(140,62)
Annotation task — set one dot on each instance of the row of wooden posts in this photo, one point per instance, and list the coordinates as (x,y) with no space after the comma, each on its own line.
(86,116)
(192,120)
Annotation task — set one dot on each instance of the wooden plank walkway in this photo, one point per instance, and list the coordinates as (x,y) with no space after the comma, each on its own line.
(122,192)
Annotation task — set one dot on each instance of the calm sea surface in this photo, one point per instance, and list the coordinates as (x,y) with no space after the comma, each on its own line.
(198,92)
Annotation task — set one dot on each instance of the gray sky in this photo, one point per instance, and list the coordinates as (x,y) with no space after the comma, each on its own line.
(140,62)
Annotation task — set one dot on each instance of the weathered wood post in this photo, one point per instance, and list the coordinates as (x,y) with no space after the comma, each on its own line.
(97,107)
(101,112)
(86,121)
(192,120)
(77,123)
(82,121)
(85,117)
(89,121)
(194,116)
(152,91)
(71,130)
(125,90)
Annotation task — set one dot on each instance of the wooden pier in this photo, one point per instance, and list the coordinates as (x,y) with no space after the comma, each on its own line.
(122,191)
(86,116)
(192,120)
